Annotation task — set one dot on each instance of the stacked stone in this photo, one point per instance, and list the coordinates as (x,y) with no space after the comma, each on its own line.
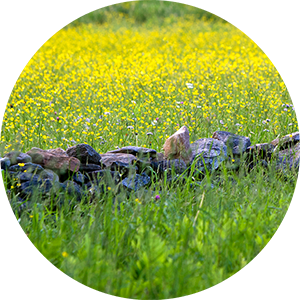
(80,172)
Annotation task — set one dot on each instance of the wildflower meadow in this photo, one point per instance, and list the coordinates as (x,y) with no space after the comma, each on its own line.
(126,79)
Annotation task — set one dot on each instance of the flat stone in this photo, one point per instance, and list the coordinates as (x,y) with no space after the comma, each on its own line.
(23,177)
(89,168)
(136,151)
(286,141)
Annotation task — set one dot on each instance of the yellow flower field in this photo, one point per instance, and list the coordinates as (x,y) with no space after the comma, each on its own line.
(136,86)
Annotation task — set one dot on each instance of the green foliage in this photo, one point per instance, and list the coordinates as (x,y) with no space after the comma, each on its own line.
(146,12)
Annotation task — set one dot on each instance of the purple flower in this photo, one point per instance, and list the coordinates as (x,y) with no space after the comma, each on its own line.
(157,197)
(55,112)
(57,118)
(156,119)
(181,102)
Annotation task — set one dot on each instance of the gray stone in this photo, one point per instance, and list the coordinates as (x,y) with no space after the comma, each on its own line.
(28,167)
(28,188)
(5,163)
(208,152)
(72,189)
(17,157)
(178,165)
(49,174)
(85,153)
(236,144)
(106,176)
(79,178)
(136,181)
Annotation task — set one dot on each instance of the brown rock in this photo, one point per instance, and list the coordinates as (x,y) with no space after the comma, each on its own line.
(58,163)
(178,146)
(59,152)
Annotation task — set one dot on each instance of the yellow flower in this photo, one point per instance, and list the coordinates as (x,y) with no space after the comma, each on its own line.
(65,254)
(138,201)
(21,164)
(109,188)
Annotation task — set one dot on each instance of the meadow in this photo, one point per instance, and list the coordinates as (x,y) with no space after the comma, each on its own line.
(117,78)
